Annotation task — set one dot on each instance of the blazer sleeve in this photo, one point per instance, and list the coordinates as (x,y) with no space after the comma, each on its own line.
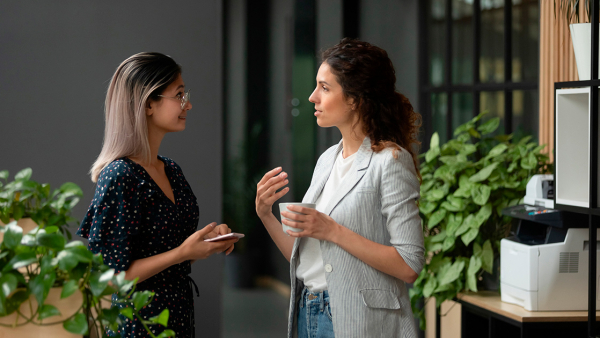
(399,194)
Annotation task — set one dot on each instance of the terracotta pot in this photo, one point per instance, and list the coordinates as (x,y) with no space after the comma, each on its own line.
(67,308)
(26,223)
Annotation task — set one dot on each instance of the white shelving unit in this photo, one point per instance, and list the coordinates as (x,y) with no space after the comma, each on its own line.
(572,149)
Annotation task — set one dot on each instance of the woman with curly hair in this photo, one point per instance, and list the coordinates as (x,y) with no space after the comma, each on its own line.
(354,253)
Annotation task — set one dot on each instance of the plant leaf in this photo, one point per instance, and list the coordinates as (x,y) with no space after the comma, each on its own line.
(140,299)
(454,222)
(162,318)
(166,333)
(53,241)
(465,226)
(12,235)
(438,238)
(474,265)
(68,288)
(469,236)
(429,287)
(8,282)
(4,174)
(23,175)
(452,273)
(66,260)
(435,140)
(529,162)
(435,195)
(481,194)
(448,243)
(77,325)
(497,150)
(127,312)
(483,214)
(483,173)
(20,260)
(48,310)
(99,281)
(487,257)
(489,126)
(436,218)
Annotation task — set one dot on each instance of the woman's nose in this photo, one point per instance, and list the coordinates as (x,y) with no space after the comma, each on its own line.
(313,97)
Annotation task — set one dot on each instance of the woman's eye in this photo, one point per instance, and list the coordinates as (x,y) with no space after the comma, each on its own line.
(325,88)
(179,94)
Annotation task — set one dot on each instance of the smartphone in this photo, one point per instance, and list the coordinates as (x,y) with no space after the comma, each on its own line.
(225,237)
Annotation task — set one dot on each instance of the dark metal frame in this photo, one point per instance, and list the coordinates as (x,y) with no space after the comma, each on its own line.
(593,211)
(476,87)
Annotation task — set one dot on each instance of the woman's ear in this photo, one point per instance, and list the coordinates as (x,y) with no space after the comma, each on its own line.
(149,108)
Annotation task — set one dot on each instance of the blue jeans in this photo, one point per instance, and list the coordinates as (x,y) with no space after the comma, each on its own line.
(314,315)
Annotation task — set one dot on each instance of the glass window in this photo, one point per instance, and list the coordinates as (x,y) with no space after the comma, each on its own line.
(491,62)
(462,41)
(525,119)
(493,103)
(525,40)
(462,108)
(437,36)
(439,111)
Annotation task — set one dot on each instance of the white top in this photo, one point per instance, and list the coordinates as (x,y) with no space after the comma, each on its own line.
(310,266)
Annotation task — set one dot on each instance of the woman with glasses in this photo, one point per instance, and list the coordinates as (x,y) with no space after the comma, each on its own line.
(143,216)
(354,253)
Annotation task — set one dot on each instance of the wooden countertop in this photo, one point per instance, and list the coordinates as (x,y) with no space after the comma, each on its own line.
(490,300)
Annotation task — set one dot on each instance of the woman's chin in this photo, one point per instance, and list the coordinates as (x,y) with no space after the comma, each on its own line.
(322,123)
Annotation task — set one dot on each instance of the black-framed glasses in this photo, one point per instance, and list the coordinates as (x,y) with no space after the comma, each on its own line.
(184,99)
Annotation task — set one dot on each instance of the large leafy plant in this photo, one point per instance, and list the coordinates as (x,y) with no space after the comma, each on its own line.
(25,198)
(32,264)
(466,183)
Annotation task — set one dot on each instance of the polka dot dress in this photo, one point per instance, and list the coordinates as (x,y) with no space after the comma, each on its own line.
(131,218)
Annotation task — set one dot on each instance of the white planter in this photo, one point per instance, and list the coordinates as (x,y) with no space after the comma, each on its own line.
(581,34)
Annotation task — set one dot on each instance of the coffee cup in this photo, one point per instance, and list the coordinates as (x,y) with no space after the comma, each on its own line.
(283,207)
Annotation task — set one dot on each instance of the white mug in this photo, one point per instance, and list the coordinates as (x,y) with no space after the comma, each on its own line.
(283,207)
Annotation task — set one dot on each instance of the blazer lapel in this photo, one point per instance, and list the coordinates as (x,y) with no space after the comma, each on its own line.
(357,171)
(315,189)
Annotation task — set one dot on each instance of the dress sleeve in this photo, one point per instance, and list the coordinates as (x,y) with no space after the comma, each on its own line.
(399,193)
(113,217)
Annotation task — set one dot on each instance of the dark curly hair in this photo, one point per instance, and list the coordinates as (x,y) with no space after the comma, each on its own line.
(367,76)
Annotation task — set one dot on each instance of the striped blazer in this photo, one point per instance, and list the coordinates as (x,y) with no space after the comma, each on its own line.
(377,200)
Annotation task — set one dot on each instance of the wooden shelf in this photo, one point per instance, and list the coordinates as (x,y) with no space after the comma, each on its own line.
(490,301)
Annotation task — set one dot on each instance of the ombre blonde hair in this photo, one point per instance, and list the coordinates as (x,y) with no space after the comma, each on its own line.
(139,79)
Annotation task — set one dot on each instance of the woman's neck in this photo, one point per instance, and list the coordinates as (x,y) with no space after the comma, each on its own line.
(154,141)
(352,139)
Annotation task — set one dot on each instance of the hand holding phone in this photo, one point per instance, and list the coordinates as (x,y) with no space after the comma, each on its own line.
(225,237)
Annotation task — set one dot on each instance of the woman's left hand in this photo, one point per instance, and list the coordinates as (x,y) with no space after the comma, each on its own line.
(313,223)
(221,229)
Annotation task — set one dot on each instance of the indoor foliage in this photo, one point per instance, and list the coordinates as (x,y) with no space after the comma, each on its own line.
(31,264)
(466,184)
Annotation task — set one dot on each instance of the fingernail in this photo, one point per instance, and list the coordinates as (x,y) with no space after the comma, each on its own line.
(286,182)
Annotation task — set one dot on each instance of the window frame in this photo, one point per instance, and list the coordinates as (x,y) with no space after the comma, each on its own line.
(476,87)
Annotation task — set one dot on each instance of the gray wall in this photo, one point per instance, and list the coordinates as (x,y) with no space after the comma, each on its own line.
(56,59)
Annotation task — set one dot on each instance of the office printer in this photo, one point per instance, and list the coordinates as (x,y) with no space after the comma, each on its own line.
(544,263)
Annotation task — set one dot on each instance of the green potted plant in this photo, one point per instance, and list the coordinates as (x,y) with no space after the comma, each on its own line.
(41,262)
(24,198)
(466,183)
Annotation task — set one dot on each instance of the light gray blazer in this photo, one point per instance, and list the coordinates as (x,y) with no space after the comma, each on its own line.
(377,200)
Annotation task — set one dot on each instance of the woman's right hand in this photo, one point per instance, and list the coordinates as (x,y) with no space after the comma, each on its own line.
(194,247)
(266,191)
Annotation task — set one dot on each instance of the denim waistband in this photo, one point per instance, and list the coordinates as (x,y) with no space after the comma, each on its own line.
(312,298)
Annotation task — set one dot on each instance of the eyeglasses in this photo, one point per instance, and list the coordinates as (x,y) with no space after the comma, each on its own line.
(185,98)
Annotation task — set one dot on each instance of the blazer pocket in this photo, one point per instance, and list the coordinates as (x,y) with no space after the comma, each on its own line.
(380,299)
